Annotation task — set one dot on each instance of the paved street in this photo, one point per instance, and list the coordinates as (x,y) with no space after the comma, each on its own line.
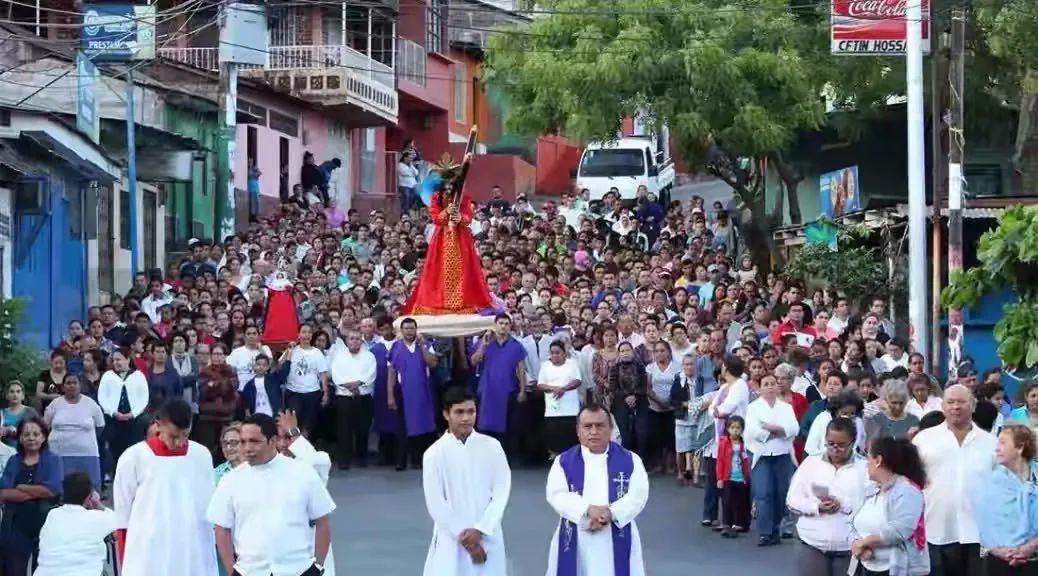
(381,528)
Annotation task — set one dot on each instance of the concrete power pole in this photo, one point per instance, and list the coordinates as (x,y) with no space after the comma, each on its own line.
(919,326)
(223,209)
(956,139)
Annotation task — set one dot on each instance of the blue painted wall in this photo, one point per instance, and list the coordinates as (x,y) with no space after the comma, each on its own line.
(50,263)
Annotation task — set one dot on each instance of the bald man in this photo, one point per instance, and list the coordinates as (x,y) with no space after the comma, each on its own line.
(958,455)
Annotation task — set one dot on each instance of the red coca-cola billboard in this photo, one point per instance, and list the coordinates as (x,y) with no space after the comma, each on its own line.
(874,26)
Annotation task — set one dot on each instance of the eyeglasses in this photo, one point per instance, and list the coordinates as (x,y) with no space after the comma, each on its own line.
(838,445)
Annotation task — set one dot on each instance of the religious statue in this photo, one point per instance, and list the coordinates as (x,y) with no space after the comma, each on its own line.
(452,280)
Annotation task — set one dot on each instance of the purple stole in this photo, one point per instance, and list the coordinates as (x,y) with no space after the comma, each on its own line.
(620,465)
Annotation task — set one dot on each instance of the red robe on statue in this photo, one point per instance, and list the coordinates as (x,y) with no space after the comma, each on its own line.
(452,280)
(281,323)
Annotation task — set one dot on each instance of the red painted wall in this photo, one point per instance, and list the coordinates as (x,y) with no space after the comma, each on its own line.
(411,23)
(556,157)
(513,174)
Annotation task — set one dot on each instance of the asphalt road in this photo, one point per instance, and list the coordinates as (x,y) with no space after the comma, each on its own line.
(381,528)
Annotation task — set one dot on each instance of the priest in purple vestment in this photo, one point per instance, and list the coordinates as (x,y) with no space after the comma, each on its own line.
(501,360)
(598,488)
(409,394)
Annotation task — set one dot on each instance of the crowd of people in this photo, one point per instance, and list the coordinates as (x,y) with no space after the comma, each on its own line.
(797,415)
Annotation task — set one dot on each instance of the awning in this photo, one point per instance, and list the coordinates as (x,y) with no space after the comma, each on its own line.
(12,161)
(146,137)
(46,143)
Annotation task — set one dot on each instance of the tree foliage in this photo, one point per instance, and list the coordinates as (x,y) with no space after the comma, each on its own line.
(1009,260)
(733,82)
(857,269)
(18,361)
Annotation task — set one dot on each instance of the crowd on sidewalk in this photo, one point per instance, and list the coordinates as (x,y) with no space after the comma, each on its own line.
(794,415)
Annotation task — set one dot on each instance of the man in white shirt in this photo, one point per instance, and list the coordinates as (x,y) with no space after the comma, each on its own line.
(467,481)
(72,541)
(353,373)
(263,510)
(243,358)
(598,488)
(958,456)
(160,491)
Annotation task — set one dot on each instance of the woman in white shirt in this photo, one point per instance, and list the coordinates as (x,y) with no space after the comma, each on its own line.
(406,180)
(74,420)
(847,405)
(771,426)
(923,400)
(559,379)
(123,397)
(824,492)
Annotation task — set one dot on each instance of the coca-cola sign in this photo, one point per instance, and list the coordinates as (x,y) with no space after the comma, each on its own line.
(874,26)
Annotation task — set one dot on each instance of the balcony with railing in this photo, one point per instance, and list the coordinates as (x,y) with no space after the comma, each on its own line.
(332,75)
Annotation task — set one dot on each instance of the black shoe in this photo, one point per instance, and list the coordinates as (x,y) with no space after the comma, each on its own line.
(726,533)
(400,467)
(344,466)
(767,541)
(787,535)
(705,523)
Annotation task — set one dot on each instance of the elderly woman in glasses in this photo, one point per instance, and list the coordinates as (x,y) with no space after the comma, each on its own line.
(229,441)
(824,491)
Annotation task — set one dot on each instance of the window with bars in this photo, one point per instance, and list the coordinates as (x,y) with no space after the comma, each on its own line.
(460,92)
(124,219)
(434,26)
(105,240)
(150,205)
(367,161)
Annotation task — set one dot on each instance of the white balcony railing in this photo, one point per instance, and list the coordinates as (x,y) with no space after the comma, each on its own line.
(292,58)
(410,61)
(326,73)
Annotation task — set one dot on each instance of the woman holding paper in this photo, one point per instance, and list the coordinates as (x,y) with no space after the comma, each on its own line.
(825,490)
(559,379)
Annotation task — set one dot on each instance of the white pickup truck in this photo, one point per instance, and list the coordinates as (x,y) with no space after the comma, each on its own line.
(625,164)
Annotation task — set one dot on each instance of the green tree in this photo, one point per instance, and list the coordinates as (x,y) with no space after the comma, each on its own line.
(858,268)
(18,361)
(1004,43)
(733,82)
(1009,260)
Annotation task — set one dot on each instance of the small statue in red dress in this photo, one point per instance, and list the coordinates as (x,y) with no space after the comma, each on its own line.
(452,280)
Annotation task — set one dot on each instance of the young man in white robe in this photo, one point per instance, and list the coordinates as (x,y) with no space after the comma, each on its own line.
(598,488)
(293,444)
(161,489)
(467,481)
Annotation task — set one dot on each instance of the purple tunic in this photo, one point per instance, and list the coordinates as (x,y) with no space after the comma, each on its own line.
(385,420)
(412,377)
(497,381)
(620,466)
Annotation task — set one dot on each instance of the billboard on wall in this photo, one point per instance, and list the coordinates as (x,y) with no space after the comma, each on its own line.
(118,32)
(838,192)
(87,120)
(874,27)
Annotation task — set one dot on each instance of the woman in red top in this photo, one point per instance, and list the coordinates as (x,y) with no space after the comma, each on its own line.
(786,374)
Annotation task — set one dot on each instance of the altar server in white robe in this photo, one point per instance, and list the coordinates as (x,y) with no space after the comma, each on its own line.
(293,444)
(161,489)
(467,481)
(598,488)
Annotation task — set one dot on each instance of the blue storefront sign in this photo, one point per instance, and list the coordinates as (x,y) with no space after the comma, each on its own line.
(118,32)
(86,102)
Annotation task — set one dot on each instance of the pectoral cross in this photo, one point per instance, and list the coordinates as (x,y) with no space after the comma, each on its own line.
(622,482)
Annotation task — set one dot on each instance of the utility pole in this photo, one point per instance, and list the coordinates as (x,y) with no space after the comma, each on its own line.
(223,209)
(131,170)
(956,139)
(919,327)
(939,166)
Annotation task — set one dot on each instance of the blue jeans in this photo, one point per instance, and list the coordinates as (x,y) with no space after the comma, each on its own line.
(407,198)
(769,483)
(253,204)
(711,495)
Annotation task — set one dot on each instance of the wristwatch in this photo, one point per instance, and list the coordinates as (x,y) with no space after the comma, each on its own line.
(320,567)
(295,432)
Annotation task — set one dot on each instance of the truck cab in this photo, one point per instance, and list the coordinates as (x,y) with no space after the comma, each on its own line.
(626,164)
